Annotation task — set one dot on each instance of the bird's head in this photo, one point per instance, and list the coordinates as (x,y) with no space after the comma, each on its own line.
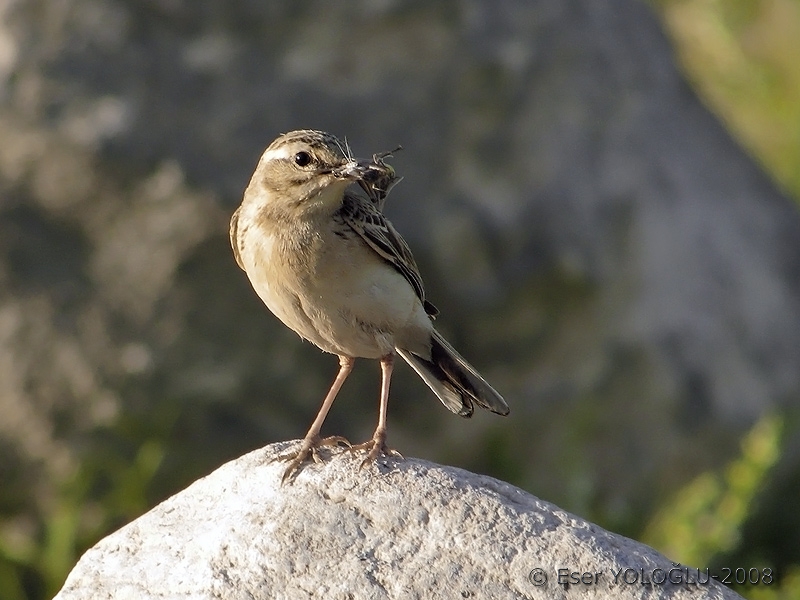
(305,170)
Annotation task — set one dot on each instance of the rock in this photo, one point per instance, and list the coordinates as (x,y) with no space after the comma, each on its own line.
(402,528)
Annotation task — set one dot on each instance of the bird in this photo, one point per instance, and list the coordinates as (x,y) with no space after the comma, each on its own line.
(329,265)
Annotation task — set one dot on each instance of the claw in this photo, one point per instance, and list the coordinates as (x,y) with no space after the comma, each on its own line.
(377,447)
(309,446)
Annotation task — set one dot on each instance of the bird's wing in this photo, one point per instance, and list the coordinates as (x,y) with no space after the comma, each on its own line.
(234,233)
(367,221)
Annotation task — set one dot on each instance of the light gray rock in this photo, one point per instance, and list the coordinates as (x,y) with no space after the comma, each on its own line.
(403,528)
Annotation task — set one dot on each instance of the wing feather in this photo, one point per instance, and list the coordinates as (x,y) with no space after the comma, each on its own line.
(363,217)
(234,233)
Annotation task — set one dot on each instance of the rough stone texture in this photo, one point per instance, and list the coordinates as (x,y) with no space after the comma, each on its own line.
(398,529)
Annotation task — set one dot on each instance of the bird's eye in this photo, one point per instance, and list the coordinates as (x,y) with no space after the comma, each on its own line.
(301,159)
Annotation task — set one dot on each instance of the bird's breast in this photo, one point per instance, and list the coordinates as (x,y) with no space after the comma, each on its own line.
(332,289)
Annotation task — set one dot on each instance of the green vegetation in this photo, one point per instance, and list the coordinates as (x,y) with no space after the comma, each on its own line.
(703,522)
(743,58)
(105,493)
(705,517)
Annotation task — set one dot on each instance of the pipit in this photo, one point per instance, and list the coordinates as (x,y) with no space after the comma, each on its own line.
(331,267)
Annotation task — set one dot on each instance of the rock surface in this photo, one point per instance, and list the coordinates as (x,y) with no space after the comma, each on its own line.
(402,528)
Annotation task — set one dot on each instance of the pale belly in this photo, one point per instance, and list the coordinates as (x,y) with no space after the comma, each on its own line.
(347,301)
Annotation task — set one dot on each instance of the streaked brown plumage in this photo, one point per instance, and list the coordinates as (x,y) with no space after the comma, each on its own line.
(327,263)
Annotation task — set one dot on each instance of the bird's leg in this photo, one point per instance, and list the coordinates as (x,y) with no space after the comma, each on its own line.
(312,441)
(377,445)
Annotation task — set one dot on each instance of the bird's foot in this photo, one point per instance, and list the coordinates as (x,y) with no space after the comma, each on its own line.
(309,447)
(376,446)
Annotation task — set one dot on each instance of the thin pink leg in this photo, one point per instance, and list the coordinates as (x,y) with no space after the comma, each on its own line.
(377,445)
(312,441)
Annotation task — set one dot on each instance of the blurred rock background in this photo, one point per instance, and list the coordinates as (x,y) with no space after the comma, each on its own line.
(609,255)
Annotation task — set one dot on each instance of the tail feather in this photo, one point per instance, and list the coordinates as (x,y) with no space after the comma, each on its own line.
(457,384)
(450,395)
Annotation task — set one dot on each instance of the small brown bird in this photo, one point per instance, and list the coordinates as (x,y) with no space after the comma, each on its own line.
(329,265)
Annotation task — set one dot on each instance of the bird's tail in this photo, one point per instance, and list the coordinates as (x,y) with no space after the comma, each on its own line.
(456,382)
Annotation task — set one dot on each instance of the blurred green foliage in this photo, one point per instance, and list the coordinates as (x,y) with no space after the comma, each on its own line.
(703,522)
(706,516)
(743,58)
(107,491)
